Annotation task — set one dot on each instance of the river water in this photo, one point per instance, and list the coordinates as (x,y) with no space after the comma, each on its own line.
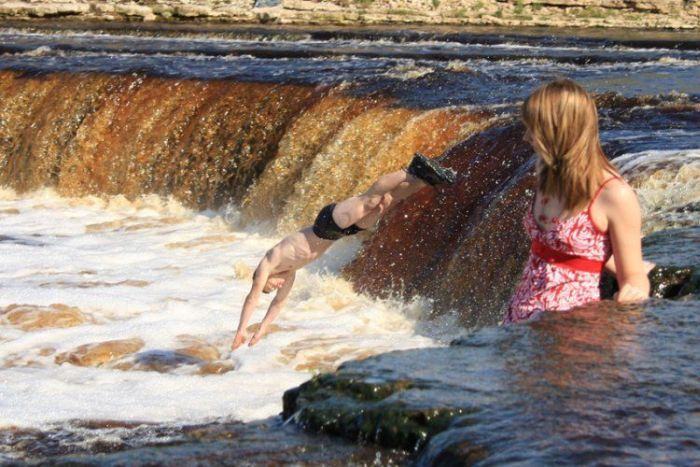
(146,170)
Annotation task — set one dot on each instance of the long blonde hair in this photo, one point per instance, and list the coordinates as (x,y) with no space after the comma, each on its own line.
(563,123)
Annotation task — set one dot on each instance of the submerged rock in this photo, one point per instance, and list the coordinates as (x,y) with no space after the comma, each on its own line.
(100,353)
(198,348)
(34,317)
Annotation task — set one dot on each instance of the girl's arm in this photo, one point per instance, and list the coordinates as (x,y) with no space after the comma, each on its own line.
(625,227)
(610,266)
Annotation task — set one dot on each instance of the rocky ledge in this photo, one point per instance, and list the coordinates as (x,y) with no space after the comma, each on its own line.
(676,14)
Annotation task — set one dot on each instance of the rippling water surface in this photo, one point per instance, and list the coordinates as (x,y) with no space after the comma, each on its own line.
(118,304)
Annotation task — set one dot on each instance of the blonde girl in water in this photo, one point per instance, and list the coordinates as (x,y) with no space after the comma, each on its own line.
(584,216)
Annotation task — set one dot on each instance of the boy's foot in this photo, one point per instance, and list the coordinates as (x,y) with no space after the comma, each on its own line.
(430,171)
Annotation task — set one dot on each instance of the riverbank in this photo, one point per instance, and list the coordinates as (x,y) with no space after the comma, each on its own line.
(657,14)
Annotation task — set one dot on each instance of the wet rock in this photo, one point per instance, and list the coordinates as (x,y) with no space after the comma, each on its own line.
(33,317)
(133,10)
(161,361)
(215,368)
(272,328)
(445,244)
(361,410)
(100,353)
(198,348)
(200,357)
(692,285)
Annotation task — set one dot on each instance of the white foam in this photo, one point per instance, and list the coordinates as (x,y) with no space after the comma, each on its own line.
(665,181)
(190,291)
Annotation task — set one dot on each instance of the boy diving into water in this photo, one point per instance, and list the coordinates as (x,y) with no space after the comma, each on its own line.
(277,269)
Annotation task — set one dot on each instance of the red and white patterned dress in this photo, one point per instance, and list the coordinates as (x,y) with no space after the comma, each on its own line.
(564,267)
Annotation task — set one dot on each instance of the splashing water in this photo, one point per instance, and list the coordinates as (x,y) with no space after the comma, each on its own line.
(124,310)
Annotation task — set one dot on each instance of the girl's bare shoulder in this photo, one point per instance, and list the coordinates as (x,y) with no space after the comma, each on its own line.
(617,194)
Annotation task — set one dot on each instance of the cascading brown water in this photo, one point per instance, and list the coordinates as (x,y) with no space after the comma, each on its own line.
(202,141)
(282,151)
(205,142)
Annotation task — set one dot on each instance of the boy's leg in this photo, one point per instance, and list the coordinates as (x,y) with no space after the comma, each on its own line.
(370,219)
(398,184)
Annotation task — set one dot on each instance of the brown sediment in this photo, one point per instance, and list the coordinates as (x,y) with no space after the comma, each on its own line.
(329,361)
(34,317)
(203,241)
(17,360)
(46,351)
(206,141)
(41,115)
(238,135)
(272,328)
(202,357)
(9,211)
(100,353)
(94,284)
(132,223)
(315,353)
(415,245)
(215,368)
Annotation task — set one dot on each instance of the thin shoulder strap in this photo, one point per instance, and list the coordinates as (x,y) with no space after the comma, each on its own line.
(600,189)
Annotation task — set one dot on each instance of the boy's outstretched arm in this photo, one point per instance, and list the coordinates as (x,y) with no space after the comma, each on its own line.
(262,272)
(275,307)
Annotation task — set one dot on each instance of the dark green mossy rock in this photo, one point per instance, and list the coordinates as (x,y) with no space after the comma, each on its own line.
(361,409)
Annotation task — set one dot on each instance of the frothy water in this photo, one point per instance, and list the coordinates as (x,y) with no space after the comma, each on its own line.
(667,183)
(162,286)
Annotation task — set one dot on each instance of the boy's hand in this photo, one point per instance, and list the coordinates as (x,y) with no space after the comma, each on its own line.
(258,334)
(239,339)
